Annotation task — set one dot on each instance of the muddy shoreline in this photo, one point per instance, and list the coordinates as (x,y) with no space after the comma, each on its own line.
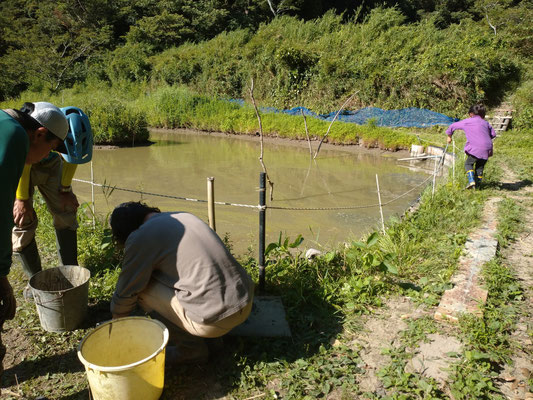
(302,143)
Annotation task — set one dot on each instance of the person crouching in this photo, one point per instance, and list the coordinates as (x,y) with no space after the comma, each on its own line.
(178,270)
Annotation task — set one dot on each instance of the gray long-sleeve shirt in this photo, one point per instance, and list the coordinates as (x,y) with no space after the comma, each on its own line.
(180,251)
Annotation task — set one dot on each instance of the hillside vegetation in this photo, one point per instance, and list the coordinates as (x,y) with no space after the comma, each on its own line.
(121,60)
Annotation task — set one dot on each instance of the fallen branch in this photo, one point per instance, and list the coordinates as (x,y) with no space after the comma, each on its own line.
(7,391)
(256,396)
(261,140)
(336,115)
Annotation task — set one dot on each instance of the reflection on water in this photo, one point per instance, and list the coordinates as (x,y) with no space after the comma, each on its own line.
(178,163)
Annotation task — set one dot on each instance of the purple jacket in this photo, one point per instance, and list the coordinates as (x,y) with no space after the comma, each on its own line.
(479,135)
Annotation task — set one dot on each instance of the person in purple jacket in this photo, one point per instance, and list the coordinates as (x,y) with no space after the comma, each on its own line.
(478,148)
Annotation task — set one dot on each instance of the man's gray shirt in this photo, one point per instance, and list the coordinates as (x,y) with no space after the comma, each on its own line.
(180,251)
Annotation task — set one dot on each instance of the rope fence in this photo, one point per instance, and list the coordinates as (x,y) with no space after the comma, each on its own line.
(259,207)
(262,207)
(221,203)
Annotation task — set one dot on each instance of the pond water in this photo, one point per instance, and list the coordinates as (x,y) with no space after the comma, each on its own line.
(179,162)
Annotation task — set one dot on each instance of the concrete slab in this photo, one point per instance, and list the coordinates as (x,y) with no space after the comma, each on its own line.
(467,294)
(267,319)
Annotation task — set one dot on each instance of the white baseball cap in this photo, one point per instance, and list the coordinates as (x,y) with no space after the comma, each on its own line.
(51,117)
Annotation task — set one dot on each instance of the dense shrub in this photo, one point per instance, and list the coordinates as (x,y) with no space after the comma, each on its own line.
(114,117)
(523,104)
(318,63)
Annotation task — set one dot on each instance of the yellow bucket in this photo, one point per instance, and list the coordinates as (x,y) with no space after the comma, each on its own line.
(125,359)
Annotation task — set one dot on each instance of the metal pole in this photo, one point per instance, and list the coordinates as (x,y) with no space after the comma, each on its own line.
(211,202)
(380,207)
(92,195)
(262,215)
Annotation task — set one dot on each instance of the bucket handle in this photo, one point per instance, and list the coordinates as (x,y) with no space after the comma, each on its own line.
(37,299)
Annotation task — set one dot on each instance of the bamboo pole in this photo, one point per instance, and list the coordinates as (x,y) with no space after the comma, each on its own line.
(453,162)
(434,178)
(211,202)
(380,207)
(307,134)
(417,158)
(334,118)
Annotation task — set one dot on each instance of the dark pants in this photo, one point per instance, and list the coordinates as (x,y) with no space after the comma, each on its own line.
(2,350)
(475,164)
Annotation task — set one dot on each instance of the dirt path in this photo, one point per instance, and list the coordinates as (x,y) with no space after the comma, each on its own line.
(519,256)
(383,329)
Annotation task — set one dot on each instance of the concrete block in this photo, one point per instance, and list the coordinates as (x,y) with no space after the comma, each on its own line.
(267,319)
(467,294)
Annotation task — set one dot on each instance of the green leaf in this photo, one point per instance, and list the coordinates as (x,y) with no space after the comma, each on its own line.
(271,247)
(426,387)
(372,239)
(298,241)
(391,269)
(329,256)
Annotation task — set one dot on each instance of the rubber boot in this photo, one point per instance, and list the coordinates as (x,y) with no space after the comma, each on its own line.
(471,180)
(31,264)
(479,179)
(67,246)
(29,259)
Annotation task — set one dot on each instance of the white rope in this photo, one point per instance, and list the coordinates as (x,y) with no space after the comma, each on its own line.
(258,206)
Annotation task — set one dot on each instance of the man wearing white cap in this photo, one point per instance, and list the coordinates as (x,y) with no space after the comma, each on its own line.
(53,177)
(26,136)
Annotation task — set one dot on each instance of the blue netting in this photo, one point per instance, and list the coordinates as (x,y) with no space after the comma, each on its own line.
(406,117)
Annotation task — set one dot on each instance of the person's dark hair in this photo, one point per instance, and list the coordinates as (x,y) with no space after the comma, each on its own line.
(478,109)
(128,217)
(31,124)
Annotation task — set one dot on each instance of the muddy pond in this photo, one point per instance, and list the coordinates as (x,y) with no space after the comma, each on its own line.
(178,163)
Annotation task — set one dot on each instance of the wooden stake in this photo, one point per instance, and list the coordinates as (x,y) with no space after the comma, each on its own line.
(211,202)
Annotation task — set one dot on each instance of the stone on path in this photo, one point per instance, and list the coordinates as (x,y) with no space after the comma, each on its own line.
(468,295)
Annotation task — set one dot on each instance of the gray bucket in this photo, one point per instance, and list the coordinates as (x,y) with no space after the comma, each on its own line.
(61,295)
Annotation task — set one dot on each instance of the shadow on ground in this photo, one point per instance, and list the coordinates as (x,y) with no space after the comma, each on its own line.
(509,186)
(313,324)
(29,369)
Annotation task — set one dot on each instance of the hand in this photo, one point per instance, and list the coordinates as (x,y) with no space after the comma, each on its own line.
(23,212)
(8,304)
(448,139)
(69,201)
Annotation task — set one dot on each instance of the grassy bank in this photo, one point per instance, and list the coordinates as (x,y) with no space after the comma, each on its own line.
(122,116)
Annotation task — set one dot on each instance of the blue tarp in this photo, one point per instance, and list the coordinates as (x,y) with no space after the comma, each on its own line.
(405,117)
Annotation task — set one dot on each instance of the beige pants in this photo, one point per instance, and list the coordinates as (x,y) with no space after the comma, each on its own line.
(46,175)
(162,299)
